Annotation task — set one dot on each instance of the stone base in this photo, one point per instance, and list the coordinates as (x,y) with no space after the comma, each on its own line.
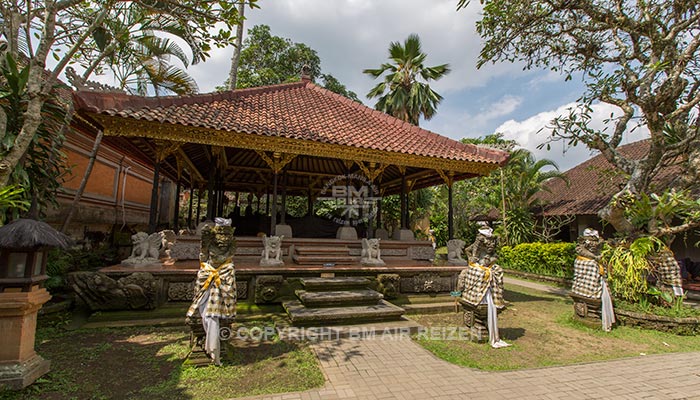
(372,262)
(346,233)
(141,261)
(271,262)
(476,319)
(382,234)
(17,376)
(404,234)
(283,230)
(457,262)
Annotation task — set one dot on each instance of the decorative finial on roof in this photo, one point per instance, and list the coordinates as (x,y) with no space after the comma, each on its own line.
(81,83)
(306,73)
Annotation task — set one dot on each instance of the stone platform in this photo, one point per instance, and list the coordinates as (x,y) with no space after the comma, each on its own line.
(327,301)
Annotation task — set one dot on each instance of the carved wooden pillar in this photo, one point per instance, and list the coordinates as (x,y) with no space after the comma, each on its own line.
(283,220)
(153,212)
(449,179)
(402,200)
(277,163)
(189,212)
(273,217)
(211,196)
(199,206)
(176,218)
(450,214)
(310,202)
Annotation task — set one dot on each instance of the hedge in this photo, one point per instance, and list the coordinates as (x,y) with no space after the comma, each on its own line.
(552,259)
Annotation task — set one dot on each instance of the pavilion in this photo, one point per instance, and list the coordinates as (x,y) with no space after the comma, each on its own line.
(278,140)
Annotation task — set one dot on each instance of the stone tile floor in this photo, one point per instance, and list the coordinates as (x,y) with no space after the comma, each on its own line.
(398,368)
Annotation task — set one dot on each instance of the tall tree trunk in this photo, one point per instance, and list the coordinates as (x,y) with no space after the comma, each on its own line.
(235,59)
(83,182)
(38,88)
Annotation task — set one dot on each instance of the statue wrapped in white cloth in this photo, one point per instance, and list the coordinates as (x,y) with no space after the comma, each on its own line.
(482,284)
(215,287)
(590,280)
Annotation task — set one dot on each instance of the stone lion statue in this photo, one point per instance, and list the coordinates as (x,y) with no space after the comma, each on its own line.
(146,248)
(371,255)
(454,252)
(272,251)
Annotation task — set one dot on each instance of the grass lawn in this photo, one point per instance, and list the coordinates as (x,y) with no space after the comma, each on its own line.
(146,363)
(543,332)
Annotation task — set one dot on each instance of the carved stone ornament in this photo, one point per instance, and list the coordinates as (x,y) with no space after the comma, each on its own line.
(454,252)
(98,291)
(91,86)
(272,252)
(371,254)
(388,285)
(267,288)
(146,248)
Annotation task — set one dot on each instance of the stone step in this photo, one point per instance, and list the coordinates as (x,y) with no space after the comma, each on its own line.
(338,283)
(304,316)
(402,328)
(324,259)
(318,250)
(339,298)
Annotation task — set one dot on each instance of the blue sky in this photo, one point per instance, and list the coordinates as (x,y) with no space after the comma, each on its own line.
(351,35)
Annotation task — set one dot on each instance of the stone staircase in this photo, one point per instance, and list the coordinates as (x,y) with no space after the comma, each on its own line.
(319,255)
(341,300)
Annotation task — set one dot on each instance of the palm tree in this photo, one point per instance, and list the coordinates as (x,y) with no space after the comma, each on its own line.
(401,94)
(521,180)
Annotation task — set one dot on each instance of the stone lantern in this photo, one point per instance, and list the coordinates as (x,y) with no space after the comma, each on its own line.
(24,246)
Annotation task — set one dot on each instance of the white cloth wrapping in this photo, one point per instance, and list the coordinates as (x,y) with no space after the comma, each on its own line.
(492,321)
(607,313)
(212,345)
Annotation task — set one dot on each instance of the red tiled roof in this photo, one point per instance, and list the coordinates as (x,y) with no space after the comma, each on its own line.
(298,110)
(593,182)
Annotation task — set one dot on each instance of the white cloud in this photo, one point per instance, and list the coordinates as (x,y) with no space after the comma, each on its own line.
(352,35)
(457,124)
(534,131)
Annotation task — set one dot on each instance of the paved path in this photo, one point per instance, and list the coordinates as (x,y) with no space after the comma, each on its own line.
(401,369)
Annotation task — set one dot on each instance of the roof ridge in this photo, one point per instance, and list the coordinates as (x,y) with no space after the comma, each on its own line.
(390,119)
(151,102)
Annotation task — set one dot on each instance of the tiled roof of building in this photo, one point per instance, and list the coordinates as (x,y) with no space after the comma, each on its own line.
(298,110)
(593,182)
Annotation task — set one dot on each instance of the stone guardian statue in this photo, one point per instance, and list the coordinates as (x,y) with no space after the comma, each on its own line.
(215,287)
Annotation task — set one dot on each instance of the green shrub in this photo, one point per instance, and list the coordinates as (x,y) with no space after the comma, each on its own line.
(552,259)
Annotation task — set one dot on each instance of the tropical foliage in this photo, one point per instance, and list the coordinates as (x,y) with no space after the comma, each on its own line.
(11,202)
(551,259)
(404,91)
(35,180)
(268,60)
(639,57)
(82,32)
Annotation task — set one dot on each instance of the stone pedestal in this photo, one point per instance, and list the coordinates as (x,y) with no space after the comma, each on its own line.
(404,234)
(587,309)
(476,319)
(20,366)
(283,230)
(381,233)
(346,233)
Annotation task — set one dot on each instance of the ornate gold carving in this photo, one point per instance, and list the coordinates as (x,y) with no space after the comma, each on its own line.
(190,166)
(118,126)
(371,171)
(448,177)
(278,160)
(164,148)
(219,154)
